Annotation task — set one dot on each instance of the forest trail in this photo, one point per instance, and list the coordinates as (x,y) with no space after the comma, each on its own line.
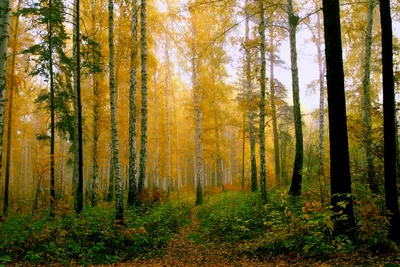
(186,249)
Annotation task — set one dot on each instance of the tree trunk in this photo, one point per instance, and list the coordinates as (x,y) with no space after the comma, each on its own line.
(111,187)
(253,163)
(273,108)
(96,118)
(295,188)
(119,215)
(10,112)
(197,116)
(79,191)
(96,135)
(143,136)
(4,28)
(156,179)
(391,194)
(339,150)
(132,194)
(372,179)
(178,166)
(321,69)
(52,116)
(167,115)
(263,168)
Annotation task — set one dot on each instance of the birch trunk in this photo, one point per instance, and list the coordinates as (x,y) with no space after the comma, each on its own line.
(197,116)
(114,131)
(4,28)
(143,137)
(372,179)
(263,169)
(10,112)
(132,194)
(295,188)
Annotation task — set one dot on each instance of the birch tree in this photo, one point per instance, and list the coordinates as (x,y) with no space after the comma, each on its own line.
(132,194)
(143,121)
(373,183)
(295,188)
(4,28)
(113,103)
(10,90)
(263,167)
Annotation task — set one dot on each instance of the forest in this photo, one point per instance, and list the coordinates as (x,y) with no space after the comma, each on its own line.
(199,133)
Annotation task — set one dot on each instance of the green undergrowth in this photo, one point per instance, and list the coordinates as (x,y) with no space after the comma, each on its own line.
(286,225)
(93,237)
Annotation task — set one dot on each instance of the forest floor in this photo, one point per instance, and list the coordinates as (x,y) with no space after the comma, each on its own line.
(186,249)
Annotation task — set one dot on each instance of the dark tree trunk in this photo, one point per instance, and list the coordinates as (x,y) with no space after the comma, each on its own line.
(339,150)
(79,190)
(295,188)
(52,118)
(391,194)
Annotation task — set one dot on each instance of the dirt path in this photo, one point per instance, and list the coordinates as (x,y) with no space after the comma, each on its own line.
(184,249)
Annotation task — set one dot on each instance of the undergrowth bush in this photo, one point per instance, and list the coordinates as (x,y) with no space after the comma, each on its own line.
(289,225)
(93,237)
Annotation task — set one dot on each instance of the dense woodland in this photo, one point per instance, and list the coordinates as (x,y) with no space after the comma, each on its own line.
(129,127)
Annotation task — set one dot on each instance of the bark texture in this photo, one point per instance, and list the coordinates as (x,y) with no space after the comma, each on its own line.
(4,29)
(295,188)
(119,215)
(253,163)
(372,179)
(263,167)
(132,193)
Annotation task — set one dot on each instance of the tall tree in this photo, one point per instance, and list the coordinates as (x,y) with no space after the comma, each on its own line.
(273,105)
(339,150)
(321,70)
(10,111)
(197,117)
(4,28)
(263,167)
(252,137)
(167,116)
(143,121)
(132,193)
(372,179)
(295,188)
(113,105)
(79,189)
(391,194)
